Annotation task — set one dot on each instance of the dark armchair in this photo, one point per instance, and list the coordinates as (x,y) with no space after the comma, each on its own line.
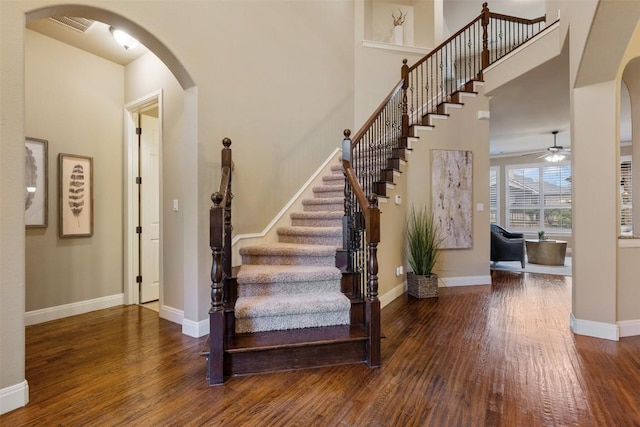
(506,246)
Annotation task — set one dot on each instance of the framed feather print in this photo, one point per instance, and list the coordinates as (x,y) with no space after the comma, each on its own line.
(75,188)
(36,178)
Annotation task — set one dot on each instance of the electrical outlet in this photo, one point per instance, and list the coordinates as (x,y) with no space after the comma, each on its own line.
(399,271)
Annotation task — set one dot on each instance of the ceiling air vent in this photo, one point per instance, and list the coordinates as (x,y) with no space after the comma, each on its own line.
(79,24)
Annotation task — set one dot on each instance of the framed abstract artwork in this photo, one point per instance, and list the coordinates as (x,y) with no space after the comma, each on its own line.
(75,190)
(36,183)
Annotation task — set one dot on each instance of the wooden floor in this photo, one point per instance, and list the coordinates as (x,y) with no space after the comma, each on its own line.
(499,355)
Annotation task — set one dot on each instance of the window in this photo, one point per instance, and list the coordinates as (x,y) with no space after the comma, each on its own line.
(539,197)
(626,193)
(494,194)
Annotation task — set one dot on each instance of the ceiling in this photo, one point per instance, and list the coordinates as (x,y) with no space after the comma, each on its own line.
(524,112)
(97,39)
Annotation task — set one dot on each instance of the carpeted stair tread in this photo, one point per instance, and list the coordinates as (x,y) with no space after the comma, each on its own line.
(289,254)
(284,305)
(311,235)
(324,204)
(317,219)
(288,249)
(249,274)
(328,191)
(334,179)
(294,283)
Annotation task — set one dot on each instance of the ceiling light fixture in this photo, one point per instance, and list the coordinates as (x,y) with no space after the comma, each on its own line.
(124,39)
(556,153)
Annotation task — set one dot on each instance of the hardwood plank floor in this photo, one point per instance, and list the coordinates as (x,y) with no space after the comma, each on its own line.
(499,355)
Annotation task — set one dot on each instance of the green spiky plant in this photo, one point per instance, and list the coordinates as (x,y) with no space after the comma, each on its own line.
(424,240)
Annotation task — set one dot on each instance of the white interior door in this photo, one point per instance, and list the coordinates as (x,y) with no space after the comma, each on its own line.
(149,209)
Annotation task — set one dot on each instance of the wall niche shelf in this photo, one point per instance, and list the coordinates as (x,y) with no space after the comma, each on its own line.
(398,48)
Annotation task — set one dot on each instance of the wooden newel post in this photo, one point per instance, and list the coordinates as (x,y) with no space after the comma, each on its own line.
(405,109)
(486,17)
(372,305)
(216,312)
(227,162)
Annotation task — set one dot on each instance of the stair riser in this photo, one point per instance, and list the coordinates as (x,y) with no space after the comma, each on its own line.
(313,240)
(264,289)
(327,194)
(316,222)
(294,321)
(335,179)
(290,358)
(324,207)
(288,260)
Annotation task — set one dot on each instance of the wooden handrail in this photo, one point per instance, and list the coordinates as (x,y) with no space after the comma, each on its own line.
(525,21)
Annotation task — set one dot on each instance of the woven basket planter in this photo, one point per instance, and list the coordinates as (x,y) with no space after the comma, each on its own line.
(422,286)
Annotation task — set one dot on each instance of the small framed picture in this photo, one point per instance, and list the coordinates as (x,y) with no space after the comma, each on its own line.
(75,189)
(36,173)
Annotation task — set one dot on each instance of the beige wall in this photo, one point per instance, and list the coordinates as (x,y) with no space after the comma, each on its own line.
(12,235)
(628,292)
(595,147)
(74,100)
(143,77)
(275,77)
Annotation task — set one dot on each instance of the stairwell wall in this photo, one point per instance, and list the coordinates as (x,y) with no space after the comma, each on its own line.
(461,131)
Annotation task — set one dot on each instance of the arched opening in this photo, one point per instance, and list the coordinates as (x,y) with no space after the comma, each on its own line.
(111,161)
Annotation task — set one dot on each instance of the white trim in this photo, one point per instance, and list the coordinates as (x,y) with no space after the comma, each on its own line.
(14,397)
(394,293)
(628,242)
(195,329)
(629,328)
(130,153)
(171,314)
(396,47)
(590,328)
(466,281)
(53,313)
(286,207)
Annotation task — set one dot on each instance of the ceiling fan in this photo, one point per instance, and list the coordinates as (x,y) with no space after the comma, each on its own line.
(555,153)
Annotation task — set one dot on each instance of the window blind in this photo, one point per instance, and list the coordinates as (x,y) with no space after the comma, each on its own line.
(539,197)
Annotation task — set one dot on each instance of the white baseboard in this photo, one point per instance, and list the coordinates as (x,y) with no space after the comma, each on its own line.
(189,327)
(14,397)
(394,293)
(590,328)
(195,329)
(61,311)
(629,328)
(466,281)
(171,314)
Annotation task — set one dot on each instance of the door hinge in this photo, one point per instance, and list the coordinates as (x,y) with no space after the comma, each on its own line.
(138,279)
(138,180)
(138,131)
(138,230)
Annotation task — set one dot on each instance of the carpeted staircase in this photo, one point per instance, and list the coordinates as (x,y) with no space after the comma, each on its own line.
(294,283)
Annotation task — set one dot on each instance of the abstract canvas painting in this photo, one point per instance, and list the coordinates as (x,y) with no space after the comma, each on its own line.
(451,196)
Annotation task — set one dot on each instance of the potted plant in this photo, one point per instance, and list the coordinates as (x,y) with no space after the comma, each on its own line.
(541,235)
(424,240)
